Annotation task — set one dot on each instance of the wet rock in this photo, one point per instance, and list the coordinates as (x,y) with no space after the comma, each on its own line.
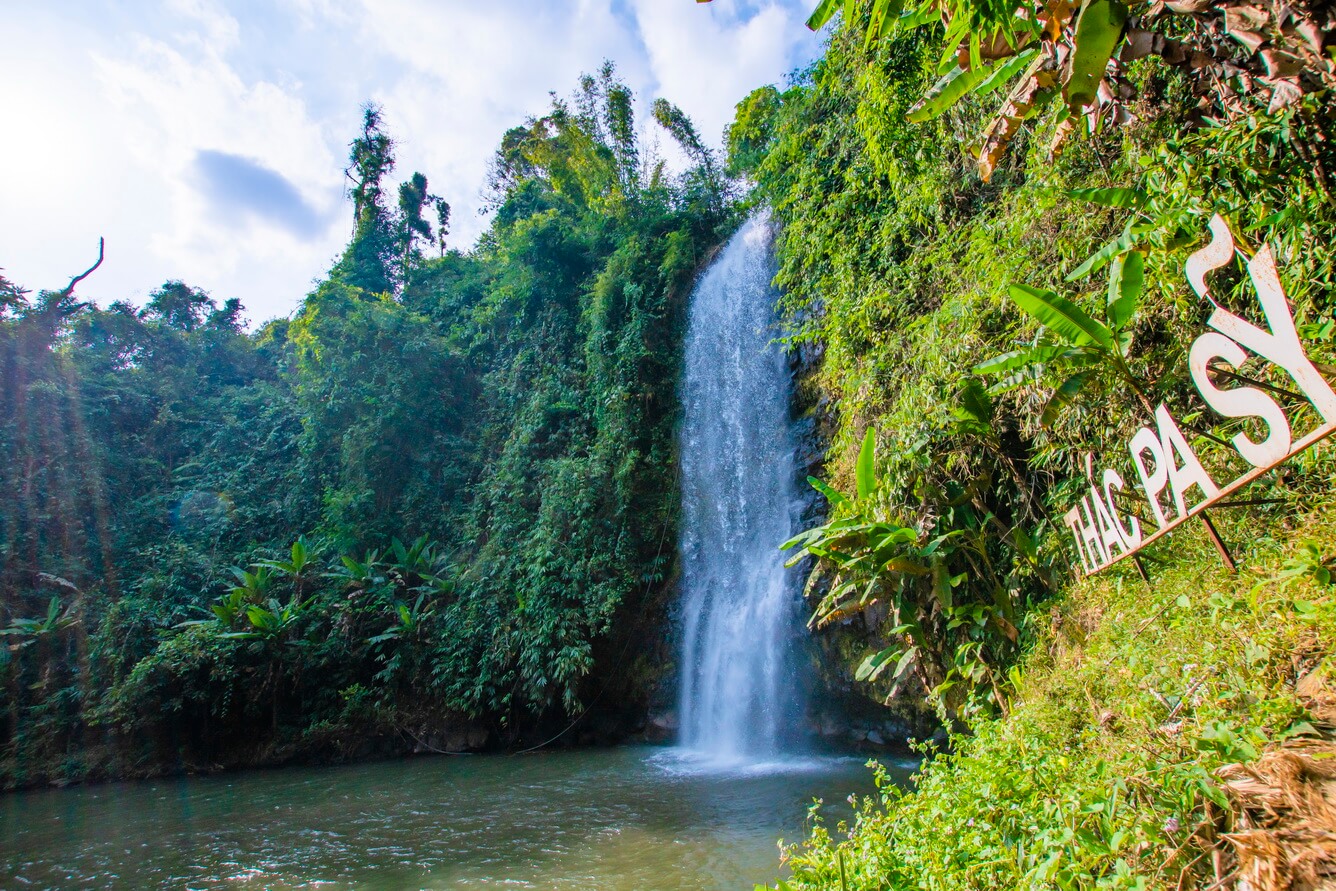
(661,727)
(666,721)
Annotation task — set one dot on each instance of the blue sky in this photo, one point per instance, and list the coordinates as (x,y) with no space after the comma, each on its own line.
(206,140)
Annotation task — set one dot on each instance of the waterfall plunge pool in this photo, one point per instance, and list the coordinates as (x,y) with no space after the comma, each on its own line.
(643,818)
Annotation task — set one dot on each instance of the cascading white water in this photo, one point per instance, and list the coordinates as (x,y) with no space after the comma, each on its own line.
(739,501)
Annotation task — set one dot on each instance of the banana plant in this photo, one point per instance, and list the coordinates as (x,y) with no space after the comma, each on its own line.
(1071,341)
(252,587)
(419,559)
(940,625)
(300,560)
(1077,52)
(410,619)
(297,567)
(871,559)
(267,621)
(230,607)
(367,574)
(32,630)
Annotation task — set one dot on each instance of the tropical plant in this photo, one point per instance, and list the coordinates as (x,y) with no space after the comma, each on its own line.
(301,558)
(1070,340)
(297,567)
(1310,563)
(252,587)
(949,637)
(416,562)
(268,621)
(1080,53)
(361,575)
(410,619)
(225,613)
(29,631)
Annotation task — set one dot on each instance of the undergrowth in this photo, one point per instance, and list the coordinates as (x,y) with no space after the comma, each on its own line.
(1091,723)
(1130,697)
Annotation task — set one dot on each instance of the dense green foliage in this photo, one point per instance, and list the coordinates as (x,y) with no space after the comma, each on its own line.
(1103,774)
(906,272)
(509,410)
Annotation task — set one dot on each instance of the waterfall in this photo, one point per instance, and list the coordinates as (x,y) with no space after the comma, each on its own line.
(738,694)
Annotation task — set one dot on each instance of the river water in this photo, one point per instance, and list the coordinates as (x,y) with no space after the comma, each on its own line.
(642,818)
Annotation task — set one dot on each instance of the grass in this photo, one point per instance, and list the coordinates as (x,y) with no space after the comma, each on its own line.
(1102,773)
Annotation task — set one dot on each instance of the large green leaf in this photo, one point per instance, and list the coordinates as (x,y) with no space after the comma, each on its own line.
(1061,316)
(1016,359)
(875,663)
(905,660)
(885,16)
(1098,30)
(946,93)
(956,32)
(999,75)
(865,473)
(1127,277)
(822,14)
(832,494)
(1062,396)
(897,535)
(802,538)
(1131,199)
(1099,258)
(905,565)
(972,403)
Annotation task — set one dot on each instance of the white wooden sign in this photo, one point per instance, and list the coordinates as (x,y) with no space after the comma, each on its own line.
(1172,480)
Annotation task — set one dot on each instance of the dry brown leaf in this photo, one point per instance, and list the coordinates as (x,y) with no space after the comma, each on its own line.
(1008,121)
(1285,814)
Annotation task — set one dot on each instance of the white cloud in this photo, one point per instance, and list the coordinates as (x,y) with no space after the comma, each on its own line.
(116,106)
(220,30)
(178,103)
(707,70)
(474,71)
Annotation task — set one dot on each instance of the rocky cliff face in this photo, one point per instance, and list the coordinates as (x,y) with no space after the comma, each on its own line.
(841,710)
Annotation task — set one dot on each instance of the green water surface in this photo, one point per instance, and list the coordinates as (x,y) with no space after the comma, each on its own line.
(648,819)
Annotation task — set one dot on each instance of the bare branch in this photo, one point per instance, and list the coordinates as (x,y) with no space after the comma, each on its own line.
(101,253)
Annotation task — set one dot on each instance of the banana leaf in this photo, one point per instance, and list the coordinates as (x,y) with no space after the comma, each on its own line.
(1101,257)
(946,93)
(1000,74)
(1061,316)
(1063,395)
(1099,28)
(1017,359)
(831,493)
(877,662)
(865,474)
(1127,277)
(1111,197)
(822,14)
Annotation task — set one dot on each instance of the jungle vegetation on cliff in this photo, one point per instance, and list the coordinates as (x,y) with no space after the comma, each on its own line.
(922,261)
(439,498)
